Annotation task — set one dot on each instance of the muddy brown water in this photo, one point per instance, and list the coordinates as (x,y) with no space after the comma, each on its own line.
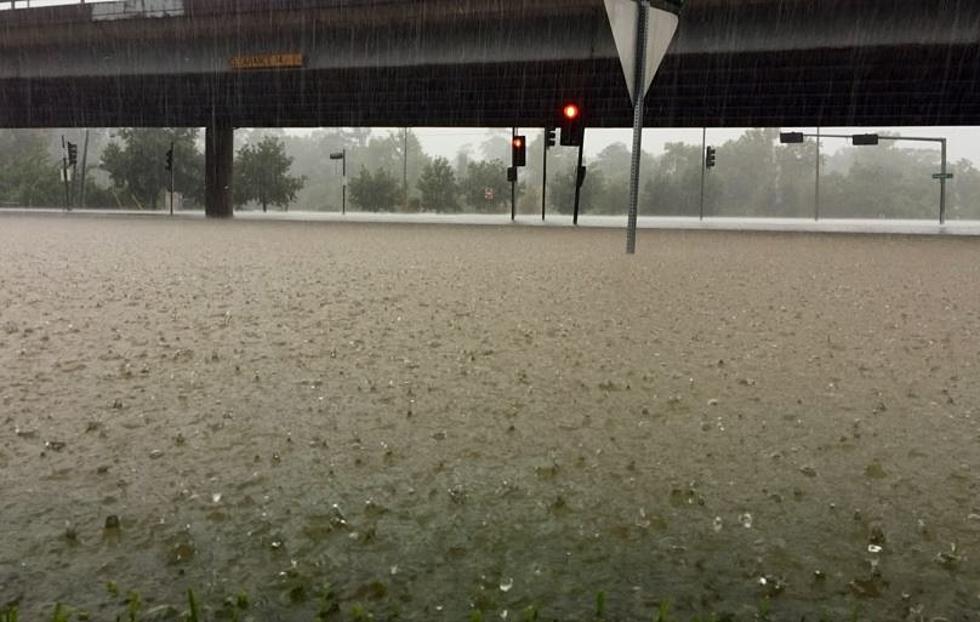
(432,419)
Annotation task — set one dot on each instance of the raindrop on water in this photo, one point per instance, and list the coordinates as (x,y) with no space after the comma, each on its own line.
(506,584)
(746,520)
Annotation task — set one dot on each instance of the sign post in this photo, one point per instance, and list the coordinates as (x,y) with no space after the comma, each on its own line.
(643,30)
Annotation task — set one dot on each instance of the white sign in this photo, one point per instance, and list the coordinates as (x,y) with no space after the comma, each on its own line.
(662,25)
(127,9)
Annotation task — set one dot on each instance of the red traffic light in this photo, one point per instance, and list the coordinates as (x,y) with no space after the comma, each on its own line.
(519,151)
(571,112)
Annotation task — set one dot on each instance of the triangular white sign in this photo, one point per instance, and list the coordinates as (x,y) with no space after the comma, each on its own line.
(661,27)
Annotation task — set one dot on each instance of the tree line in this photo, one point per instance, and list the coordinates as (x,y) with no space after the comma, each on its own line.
(755,175)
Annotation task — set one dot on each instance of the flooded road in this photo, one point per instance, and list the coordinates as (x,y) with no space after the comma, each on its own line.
(424,420)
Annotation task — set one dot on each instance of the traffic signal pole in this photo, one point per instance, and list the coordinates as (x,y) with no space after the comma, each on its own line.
(64,172)
(578,180)
(81,198)
(172,167)
(544,174)
(704,159)
(513,184)
(816,185)
(944,176)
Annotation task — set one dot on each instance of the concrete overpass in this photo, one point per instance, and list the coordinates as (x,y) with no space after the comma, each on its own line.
(480,63)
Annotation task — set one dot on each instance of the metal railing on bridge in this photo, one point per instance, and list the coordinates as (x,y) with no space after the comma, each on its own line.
(6,5)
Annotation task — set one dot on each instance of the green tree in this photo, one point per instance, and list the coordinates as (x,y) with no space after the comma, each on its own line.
(438,187)
(965,191)
(136,164)
(375,192)
(881,182)
(795,169)
(29,176)
(485,187)
(393,152)
(674,185)
(262,175)
(592,197)
(745,177)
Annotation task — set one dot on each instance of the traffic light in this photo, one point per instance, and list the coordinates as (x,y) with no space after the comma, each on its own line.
(572,128)
(550,138)
(518,151)
(864,140)
(710,158)
(72,154)
(170,159)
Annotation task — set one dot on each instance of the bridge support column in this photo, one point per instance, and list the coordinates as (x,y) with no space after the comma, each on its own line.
(219,158)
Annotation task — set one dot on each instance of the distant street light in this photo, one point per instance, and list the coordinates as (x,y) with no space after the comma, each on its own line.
(861,140)
(342,156)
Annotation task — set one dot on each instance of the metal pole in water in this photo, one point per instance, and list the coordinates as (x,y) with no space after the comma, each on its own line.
(544,174)
(942,187)
(513,184)
(816,190)
(81,200)
(64,171)
(405,169)
(343,171)
(172,167)
(638,96)
(578,180)
(704,163)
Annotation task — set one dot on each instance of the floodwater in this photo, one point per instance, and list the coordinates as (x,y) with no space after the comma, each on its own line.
(427,420)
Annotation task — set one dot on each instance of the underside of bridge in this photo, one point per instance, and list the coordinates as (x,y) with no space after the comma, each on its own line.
(832,88)
(471,63)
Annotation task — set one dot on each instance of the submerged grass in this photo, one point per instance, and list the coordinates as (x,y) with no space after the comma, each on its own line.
(234,609)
